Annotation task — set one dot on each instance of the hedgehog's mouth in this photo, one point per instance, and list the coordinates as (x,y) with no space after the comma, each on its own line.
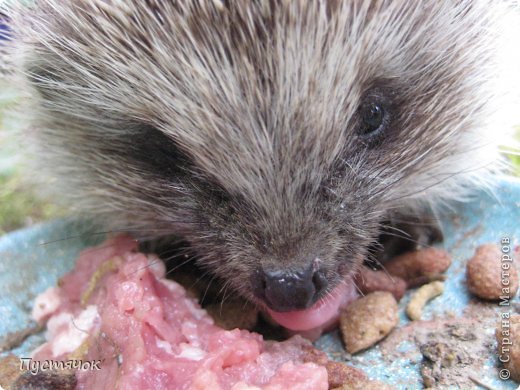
(322,313)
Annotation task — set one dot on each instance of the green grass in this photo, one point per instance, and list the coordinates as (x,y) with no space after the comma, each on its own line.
(515,159)
(516,164)
(19,207)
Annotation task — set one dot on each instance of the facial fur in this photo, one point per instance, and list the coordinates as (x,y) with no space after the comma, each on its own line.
(242,126)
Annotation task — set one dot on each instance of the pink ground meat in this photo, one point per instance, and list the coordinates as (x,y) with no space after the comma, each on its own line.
(150,335)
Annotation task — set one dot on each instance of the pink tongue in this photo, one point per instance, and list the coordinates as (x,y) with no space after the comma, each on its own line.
(320,313)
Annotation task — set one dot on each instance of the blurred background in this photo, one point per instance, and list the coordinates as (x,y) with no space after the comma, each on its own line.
(19,206)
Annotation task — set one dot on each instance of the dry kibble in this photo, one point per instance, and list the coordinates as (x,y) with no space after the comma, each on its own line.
(340,374)
(233,314)
(13,376)
(369,319)
(420,263)
(421,296)
(365,385)
(508,345)
(9,371)
(368,281)
(313,355)
(489,276)
(45,380)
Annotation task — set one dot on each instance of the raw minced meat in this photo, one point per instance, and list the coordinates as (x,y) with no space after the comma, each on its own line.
(116,306)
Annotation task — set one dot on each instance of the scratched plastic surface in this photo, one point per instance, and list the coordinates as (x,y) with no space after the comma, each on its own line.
(33,259)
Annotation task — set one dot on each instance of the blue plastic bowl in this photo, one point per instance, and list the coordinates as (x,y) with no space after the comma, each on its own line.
(33,259)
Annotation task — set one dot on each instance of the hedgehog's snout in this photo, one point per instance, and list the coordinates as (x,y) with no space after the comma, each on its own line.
(283,289)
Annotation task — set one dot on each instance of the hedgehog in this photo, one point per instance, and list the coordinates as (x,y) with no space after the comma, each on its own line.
(281,139)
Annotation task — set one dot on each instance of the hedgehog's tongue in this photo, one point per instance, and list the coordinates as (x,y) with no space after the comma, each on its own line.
(323,312)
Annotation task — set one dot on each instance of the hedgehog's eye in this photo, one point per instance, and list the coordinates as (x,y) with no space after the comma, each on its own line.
(372,119)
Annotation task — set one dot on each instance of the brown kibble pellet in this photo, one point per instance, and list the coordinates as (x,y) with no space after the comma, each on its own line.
(369,319)
(421,296)
(46,380)
(365,385)
(233,314)
(368,281)
(487,274)
(340,374)
(9,371)
(313,355)
(508,345)
(423,262)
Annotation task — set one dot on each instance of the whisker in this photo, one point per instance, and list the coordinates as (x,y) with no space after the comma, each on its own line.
(224,294)
(99,233)
(208,286)
(172,270)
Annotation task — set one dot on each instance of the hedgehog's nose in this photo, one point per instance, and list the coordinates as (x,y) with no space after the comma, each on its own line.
(284,290)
